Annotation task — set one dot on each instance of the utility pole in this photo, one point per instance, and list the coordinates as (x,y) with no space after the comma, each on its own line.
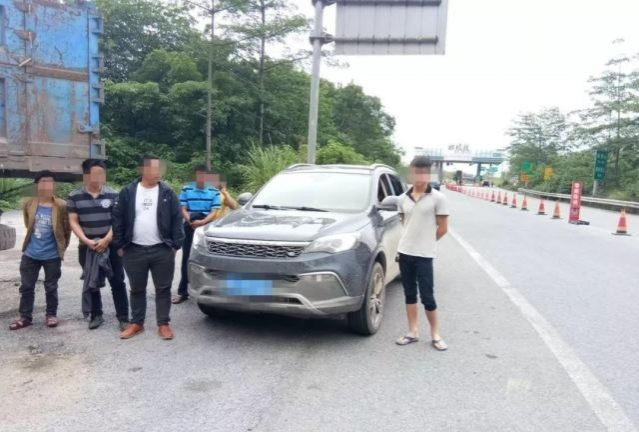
(318,39)
(209,99)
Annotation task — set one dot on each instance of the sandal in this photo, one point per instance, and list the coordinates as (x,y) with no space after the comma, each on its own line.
(440,345)
(19,324)
(52,321)
(405,340)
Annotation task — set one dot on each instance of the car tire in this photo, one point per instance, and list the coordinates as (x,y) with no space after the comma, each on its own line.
(368,319)
(7,237)
(212,311)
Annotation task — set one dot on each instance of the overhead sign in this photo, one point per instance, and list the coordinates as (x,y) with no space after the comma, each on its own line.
(601,160)
(575,201)
(391,27)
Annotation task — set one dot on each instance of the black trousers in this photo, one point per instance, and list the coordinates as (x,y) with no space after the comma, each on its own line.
(29,271)
(118,286)
(417,275)
(139,261)
(183,288)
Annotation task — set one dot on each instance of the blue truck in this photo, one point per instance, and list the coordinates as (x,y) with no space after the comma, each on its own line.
(50,89)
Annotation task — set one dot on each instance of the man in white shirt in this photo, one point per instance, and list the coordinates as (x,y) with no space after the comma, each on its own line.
(424,214)
(148,230)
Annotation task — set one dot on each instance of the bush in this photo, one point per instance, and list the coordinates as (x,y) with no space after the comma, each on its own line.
(264,163)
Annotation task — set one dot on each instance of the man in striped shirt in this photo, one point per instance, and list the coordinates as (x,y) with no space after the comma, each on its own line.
(200,203)
(90,210)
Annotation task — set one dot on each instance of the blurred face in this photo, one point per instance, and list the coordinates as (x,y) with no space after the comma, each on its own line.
(45,187)
(213,179)
(419,176)
(200,177)
(152,171)
(96,177)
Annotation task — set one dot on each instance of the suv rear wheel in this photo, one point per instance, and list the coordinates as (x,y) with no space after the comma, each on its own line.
(368,319)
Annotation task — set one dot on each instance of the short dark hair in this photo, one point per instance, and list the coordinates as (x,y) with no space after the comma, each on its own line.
(200,168)
(43,174)
(91,163)
(147,158)
(421,162)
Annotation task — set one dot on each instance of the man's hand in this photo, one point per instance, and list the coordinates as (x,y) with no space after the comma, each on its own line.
(102,245)
(198,223)
(120,253)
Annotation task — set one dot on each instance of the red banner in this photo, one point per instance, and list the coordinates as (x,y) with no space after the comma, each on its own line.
(575,201)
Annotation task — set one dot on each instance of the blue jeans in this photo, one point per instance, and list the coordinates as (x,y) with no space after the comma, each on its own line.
(417,275)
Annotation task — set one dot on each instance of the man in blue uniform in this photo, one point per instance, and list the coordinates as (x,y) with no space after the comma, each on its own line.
(200,202)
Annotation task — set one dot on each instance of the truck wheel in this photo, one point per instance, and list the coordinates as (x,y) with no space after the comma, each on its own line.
(368,319)
(7,237)
(212,311)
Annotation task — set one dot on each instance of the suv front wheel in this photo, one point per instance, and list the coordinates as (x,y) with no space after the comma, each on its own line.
(368,319)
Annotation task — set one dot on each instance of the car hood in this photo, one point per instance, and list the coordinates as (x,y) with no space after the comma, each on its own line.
(277,225)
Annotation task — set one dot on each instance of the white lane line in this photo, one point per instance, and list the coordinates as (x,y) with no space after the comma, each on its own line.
(603,405)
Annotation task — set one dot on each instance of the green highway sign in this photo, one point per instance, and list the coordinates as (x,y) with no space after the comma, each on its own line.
(527,166)
(493,169)
(601,160)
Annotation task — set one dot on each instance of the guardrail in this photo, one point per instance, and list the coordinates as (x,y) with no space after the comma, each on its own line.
(593,202)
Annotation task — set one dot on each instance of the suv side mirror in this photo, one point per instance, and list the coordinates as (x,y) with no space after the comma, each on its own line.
(244,198)
(390,203)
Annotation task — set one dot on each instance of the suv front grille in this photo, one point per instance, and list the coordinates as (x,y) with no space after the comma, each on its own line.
(247,249)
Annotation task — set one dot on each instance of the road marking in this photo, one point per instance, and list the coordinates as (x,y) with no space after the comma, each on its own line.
(601,402)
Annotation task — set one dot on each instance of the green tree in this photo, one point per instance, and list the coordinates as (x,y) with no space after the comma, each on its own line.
(135,28)
(337,153)
(167,68)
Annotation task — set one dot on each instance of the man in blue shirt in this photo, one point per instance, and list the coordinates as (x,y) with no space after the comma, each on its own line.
(48,233)
(200,202)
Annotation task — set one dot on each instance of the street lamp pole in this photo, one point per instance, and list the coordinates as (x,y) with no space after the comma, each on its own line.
(209,99)
(318,38)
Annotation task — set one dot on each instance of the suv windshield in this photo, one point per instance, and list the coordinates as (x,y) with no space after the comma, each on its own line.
(339,192)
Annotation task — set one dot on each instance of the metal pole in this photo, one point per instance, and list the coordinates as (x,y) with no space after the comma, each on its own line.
(317,39)
(595,188)
(209,105)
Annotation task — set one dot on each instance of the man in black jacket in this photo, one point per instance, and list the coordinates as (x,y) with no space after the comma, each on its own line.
(147,230)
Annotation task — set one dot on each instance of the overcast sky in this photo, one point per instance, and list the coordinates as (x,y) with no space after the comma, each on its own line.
(502,57)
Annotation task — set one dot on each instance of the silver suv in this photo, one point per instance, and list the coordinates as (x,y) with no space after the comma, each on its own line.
(315,241)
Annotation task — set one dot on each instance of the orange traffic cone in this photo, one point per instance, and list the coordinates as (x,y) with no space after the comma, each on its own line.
(622,226)
(524,204)
(505,202)
(492,197)
(557,212)
(498,198)
(542,208)
(514,203)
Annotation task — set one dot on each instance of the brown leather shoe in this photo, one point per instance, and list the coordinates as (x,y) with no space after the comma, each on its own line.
(132,330)
(165,332)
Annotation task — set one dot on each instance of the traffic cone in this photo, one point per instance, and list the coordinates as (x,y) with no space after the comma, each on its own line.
(557,212)
(524,204)
(622,226)
(505,202)
(498,198)
(514,203)
(492,197)
(542,208)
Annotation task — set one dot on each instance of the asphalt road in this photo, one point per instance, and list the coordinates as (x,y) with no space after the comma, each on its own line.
(261,373)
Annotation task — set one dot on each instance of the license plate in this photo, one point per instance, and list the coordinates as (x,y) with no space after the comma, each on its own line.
(237,284)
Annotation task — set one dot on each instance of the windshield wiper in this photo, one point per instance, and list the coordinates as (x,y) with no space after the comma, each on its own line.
(268,207)
(300,208)
(304,208)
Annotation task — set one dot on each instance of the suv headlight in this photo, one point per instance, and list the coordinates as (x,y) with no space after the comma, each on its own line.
(334,244)
(199,240)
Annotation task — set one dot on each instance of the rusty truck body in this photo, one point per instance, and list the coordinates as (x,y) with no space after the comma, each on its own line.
(50,89)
